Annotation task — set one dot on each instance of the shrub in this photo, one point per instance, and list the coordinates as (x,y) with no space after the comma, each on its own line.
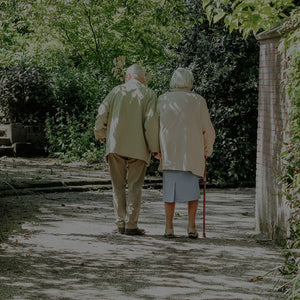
(70,139)
(69,130)
(25,94)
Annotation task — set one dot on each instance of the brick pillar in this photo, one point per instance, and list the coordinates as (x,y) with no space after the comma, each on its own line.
(271,210)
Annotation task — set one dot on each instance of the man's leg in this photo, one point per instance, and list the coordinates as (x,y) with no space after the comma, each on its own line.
(117,167)
(136,174)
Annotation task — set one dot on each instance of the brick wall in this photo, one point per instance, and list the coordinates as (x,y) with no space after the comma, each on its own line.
(271,209)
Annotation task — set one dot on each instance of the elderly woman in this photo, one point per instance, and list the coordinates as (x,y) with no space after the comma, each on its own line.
(186,137)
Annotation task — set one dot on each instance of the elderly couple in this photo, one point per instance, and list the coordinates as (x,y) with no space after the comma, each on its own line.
(175,128)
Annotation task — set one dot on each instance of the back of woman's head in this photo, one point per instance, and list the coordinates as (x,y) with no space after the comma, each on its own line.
(182,78)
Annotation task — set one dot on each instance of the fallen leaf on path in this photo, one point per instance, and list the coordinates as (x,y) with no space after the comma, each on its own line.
(256,278)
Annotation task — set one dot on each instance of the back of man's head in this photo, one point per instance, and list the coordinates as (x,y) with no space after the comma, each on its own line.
(136,71)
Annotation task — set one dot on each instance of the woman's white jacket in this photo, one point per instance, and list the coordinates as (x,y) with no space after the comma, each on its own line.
(186,132)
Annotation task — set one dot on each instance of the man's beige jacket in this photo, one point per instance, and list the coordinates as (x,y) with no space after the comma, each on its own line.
(128,120)
(186,131)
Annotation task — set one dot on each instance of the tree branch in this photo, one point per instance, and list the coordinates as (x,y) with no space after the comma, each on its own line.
(72,43)
(97,50)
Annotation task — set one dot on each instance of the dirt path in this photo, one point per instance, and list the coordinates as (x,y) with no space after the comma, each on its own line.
(68,251)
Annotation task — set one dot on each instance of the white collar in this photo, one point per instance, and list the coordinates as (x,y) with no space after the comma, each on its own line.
(181,90)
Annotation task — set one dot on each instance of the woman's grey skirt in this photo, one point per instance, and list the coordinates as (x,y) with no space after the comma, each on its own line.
(180,186)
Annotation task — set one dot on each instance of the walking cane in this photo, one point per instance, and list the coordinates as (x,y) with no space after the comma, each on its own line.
(204,197)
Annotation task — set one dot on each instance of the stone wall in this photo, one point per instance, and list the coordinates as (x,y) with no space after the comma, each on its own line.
(17,139)
(271,209)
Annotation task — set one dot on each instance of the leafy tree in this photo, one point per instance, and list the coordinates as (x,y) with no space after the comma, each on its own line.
(92,33)
(225,68)
(248,16)
(105,29)
(14,30)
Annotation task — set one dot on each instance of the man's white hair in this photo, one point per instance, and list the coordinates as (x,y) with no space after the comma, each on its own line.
(136,71)
(182,78)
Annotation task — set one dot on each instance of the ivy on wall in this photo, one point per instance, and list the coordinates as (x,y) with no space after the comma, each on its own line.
(250,17)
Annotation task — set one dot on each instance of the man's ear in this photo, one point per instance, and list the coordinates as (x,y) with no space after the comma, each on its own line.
(128,77)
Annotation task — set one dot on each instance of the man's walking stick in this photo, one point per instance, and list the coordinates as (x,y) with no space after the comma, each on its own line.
(204,197)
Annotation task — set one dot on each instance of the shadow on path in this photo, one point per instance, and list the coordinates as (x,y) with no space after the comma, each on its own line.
(68,251)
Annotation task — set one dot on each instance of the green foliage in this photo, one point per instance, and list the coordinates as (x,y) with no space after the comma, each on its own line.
(15,29)
(25,95)
(69,130)
(70,140)
(92,33)
(225,68)
(290,178)
(247,16)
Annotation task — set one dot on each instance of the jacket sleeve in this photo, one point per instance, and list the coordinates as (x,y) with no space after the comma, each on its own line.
(208,130)
(151,124)
(102,119)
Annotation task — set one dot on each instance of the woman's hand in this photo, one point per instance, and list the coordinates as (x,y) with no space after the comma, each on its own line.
(157,155)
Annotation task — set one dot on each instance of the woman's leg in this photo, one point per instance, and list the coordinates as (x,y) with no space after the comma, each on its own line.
(169,211)
(192,211)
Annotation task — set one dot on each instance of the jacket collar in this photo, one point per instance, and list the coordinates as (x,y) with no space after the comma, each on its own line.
(134,81)
(181,90)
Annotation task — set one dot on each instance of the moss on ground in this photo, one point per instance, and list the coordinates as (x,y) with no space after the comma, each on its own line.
(14,211)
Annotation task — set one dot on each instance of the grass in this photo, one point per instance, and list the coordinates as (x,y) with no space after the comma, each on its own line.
(13,213)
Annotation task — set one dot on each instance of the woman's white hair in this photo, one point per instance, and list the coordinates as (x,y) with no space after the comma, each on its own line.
(182,78)
(136,71)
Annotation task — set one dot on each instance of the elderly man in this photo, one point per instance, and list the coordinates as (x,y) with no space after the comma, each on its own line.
(127,119)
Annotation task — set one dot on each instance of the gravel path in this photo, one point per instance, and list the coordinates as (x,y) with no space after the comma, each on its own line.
(66,250)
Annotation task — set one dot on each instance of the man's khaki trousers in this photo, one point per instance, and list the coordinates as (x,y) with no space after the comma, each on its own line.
(126,212)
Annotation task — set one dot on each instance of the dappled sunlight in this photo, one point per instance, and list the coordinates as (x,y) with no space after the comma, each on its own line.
(111,138)
(129,87)
(71,252)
